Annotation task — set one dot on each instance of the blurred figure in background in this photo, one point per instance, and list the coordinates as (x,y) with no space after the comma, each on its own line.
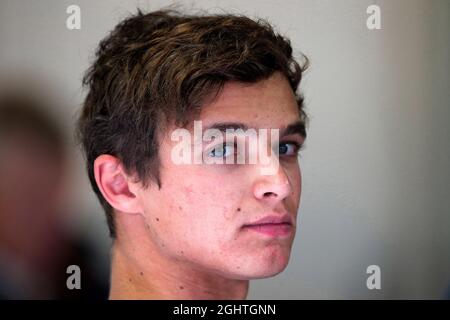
(35,247)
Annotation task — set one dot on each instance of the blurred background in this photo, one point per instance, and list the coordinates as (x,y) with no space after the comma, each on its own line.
(376,167)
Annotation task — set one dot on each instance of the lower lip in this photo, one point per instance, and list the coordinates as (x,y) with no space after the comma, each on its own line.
(274,230)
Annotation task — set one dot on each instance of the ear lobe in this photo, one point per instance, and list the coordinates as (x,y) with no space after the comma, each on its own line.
(112,181)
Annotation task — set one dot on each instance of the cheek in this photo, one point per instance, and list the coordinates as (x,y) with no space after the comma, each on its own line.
(295,178)
(197,211)
(210,204)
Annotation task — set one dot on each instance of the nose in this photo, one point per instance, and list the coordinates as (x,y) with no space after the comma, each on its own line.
(274,187)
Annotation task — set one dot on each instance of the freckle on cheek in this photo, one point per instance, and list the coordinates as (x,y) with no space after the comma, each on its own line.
(157,219)
(238,209)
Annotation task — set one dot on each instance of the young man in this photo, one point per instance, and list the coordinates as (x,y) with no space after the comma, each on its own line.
(193,230)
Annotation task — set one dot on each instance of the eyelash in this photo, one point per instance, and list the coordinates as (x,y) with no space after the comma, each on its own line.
(298,147)
(223,145)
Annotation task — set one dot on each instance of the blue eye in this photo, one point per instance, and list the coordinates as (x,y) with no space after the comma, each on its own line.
(221,151)
(289,148)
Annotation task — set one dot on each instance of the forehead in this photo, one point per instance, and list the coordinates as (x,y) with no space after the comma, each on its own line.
(269,103)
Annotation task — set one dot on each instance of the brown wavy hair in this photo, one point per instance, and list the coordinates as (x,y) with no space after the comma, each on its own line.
(161,67)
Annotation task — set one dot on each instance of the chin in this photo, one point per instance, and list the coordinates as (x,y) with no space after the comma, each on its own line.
(263,269)
(271,271)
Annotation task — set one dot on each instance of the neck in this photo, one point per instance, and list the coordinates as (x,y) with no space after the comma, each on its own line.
(150,275)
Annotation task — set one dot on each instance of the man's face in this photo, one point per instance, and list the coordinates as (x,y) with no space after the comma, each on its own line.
(198,215)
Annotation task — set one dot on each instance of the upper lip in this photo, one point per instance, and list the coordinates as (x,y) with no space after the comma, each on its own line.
(272,219)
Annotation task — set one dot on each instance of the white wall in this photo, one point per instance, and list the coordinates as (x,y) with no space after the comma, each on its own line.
(376,178)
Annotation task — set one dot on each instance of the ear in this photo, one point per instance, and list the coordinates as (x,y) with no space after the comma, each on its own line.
(114,184)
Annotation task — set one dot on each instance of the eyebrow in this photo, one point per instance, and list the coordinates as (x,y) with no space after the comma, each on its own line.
(297,127)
